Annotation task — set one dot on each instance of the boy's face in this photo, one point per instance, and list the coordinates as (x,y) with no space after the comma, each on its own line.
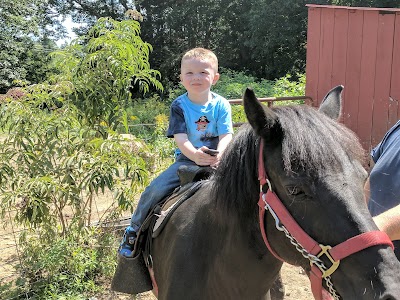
(197,76)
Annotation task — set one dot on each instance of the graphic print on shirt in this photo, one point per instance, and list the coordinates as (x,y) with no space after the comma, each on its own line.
(202,123)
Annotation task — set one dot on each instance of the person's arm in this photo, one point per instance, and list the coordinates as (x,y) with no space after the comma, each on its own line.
(224,140)
(389,222)
(196,155)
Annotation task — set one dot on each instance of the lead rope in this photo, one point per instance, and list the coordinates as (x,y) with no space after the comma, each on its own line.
(312,258)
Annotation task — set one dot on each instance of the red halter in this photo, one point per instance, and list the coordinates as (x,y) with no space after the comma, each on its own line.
(355,244)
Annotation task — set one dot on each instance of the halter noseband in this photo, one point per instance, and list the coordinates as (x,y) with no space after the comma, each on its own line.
(306,245)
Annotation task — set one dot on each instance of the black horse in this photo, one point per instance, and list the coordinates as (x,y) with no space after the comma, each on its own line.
(214,246)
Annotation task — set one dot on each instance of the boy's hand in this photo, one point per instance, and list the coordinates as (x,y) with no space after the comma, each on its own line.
(204,159)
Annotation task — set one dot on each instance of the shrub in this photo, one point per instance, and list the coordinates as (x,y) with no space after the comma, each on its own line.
(68,267)
(232,85)
(142,114)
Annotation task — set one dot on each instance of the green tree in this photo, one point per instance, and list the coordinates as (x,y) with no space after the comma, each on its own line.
(277,37)
(103,67)
(25,41)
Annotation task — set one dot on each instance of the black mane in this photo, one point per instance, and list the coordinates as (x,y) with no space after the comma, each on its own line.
(314,141)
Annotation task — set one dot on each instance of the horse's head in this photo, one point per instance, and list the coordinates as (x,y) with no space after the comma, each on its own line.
(314,166)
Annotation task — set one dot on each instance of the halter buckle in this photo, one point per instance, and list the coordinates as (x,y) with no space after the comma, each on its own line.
(335,263)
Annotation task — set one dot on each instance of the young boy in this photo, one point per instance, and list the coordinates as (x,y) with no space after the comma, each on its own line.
(199,120)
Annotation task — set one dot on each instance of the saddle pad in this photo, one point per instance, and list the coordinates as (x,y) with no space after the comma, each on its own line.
(172,204)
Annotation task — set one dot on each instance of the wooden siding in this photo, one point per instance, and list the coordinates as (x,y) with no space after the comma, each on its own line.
(360,49)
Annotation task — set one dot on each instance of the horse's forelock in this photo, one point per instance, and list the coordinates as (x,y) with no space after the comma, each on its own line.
(316,141)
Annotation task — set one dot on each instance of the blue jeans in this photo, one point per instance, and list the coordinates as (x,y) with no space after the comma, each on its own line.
(158,189)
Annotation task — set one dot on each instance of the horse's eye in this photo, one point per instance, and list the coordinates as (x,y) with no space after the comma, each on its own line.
(295,190)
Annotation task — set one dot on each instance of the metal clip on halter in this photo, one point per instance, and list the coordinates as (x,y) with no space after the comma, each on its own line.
(333,267)
(274,215)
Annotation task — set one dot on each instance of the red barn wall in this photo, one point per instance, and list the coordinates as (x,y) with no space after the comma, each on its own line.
(360,49)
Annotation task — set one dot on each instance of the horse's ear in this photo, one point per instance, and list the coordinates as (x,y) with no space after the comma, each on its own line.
(260,117)
(332,103)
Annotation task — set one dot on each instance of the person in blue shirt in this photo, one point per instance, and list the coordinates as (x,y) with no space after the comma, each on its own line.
(199,120)
(382,188)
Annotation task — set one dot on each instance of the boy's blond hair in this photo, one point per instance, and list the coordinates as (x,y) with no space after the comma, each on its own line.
(203,54)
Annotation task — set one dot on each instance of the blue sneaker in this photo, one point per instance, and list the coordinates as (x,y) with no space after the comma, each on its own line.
(128,242)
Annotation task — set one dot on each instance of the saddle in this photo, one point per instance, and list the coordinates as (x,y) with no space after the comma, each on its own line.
(132,273)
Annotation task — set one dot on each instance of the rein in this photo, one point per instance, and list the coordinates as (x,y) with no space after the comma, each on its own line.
(306,245)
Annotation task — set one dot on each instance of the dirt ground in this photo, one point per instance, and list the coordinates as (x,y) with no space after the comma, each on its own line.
(297,284)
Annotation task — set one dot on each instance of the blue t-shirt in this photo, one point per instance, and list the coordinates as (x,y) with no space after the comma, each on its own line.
(385,175)
(203,124)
